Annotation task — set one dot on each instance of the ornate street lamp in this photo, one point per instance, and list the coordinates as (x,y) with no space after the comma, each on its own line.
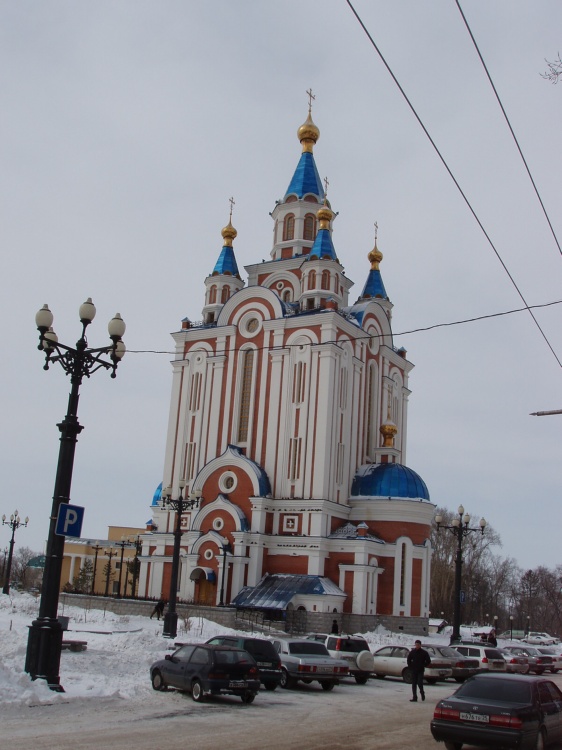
(510,627)
(226,549)
(96,547)
(45,634)
(123,543)
(137,543)
(460,529)
(179,505)
(14,523)
(109,553)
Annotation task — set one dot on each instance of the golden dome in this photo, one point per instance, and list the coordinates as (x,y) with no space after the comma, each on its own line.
(325,216)
(388,431)
(375,257)
(308,134)
(228,233)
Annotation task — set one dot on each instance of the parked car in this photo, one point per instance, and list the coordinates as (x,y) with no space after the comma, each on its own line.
(515,663)
(353,649)
(500,710)
(202,670)
(462,666)
(537,662)
(306,660)
(539,639)
(391,661)
(556,657)
(264,653)
(490,659)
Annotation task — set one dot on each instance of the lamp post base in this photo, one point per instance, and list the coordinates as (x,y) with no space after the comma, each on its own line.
(170,625)
(44,646)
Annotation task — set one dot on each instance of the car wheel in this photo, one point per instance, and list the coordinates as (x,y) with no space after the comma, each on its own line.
(270,685)
(158,681)
(327,685)
(407,675)
(380,676)
(540,670)
(540,743)
(460,679)
(431,680)
(248,697)
(287,681)
(361,679)
(453,745)
(197,691)
(526,670)
(554,670)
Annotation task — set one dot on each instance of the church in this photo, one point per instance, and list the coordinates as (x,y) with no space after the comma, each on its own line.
(287,432)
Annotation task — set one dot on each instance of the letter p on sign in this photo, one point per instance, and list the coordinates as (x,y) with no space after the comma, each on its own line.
(69,520)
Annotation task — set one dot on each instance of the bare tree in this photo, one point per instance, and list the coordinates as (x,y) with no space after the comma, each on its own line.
(554,70)
(21,572)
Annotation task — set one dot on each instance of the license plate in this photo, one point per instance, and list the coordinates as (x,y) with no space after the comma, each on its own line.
(237,684)
(482,718)
(443,673)
(324,669)
(264,664)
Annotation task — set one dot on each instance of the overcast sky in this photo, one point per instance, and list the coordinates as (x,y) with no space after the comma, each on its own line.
(127,126)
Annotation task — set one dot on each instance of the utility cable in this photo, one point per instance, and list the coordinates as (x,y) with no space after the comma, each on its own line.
(451,175)
(509,126)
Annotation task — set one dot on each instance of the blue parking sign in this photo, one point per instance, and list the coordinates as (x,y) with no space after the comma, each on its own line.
(69,520)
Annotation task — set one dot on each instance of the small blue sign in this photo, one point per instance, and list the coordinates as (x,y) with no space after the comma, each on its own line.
(462,597)
(69,520)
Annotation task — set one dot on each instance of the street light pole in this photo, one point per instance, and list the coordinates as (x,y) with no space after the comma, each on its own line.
(44,643)
(179,505)
(460,529)
(138,549)
(96,547)
(225,548)
(123,543)
(14,523)
(110,553)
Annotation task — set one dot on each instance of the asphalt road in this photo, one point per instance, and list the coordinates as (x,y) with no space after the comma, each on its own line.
(352,717)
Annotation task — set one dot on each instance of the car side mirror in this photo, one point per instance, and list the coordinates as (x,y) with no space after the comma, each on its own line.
(168,657)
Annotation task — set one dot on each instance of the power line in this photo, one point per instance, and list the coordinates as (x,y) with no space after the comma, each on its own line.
(369,336)
(451,175)
(509,125)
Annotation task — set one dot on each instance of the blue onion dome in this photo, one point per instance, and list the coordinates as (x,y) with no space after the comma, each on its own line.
(388,481)
(157,495)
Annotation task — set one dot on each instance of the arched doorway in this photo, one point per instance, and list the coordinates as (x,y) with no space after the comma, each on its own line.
(205,586)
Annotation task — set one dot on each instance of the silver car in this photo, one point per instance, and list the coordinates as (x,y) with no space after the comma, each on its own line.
(392,661)
(307,661)
(354,649)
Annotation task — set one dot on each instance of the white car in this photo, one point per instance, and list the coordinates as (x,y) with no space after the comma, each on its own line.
(392,661)
(490,659)
(539,639)
(556,657)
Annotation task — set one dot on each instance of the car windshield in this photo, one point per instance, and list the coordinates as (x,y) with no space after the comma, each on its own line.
(449,652)
(261,650)
(308,647)
(510,692)
(355,645)
(493,653)
(232,657)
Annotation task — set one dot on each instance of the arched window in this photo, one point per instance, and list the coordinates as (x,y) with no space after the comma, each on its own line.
(309,227)
(312,280)
(289,227)
(212,294)
(225,294)
(325,280)
(287,295)
(245,394)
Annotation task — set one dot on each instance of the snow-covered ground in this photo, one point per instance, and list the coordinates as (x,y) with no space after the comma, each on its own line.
(118,657)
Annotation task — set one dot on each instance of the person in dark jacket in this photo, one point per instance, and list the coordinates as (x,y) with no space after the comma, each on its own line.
(158,610)
(418,660)
(492,638)
(335,628)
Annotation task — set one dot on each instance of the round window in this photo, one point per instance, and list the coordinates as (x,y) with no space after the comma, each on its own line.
(218,524)
(228,482)
(208,554)
(252,325)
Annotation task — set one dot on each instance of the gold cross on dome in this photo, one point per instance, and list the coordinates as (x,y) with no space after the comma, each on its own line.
(376,231)
(326,183)
(232,203)
(311,98)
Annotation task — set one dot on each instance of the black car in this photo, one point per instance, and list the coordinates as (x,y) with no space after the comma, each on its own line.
(203,669)
(500,710)
(264,653)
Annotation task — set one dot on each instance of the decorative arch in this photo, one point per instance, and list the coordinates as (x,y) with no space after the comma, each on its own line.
(233,457)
